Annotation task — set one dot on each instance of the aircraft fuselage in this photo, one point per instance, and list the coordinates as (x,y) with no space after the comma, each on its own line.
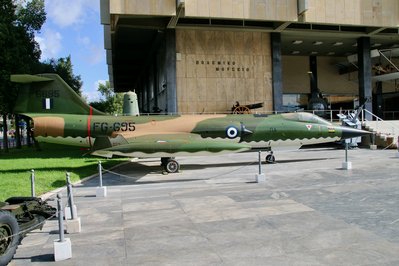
(258,131)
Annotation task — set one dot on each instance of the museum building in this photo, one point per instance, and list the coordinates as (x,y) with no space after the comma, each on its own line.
(204,56)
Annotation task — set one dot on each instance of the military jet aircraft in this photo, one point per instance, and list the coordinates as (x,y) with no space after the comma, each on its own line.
(61,116)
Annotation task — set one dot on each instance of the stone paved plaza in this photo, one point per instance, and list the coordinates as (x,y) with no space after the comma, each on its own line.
(309,212)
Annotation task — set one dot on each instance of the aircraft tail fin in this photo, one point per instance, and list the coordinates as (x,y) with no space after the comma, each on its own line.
(49,93)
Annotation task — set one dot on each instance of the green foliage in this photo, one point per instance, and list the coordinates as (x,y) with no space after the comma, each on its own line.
(31,16)
(17,27)
(113,102)
(64,68)
(50,166)
(20,52)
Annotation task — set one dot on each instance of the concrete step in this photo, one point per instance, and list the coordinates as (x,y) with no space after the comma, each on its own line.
(386,132)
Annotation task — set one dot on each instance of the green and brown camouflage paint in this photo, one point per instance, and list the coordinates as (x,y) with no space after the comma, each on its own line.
(61,116)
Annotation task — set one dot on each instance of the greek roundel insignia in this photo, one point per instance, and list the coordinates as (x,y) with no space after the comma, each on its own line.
(232,132)
(308,127)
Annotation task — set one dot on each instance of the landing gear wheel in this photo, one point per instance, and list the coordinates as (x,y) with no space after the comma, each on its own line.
(172,166)
(9,238)
(270,158)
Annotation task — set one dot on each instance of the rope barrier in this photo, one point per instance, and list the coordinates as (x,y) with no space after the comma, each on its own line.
(115,173)
(27,230)
(388,146)
(229,172)
(234,170)
(34,226)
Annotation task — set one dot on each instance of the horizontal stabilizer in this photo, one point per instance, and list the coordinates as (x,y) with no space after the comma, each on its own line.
(25,78)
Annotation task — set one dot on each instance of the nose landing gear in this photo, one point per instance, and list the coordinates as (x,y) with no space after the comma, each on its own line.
(270,159)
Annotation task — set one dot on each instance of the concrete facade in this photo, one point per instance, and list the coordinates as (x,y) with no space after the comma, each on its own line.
(204,55)
(354,12)
(217,67)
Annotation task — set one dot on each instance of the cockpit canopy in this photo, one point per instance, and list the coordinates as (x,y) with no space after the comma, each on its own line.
(306,117)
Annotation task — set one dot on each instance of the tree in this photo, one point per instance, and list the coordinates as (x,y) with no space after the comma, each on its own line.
(20,52)
(113,102)
(64,68)
(32,16)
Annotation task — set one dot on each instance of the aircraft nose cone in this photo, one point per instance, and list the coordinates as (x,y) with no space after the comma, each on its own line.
(348,132)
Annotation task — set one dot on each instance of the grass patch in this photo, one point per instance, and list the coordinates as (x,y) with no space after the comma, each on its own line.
(50,166)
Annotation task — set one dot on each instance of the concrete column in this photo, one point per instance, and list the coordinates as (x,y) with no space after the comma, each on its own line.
(170,68)
(313,79)
(155,82)
(378,107)
(277,71)
(364,60)
(148,91)
(142,95)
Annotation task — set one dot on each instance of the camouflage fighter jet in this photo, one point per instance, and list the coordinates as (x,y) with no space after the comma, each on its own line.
(61,116)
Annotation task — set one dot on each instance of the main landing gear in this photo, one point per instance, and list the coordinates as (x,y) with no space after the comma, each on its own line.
(170,164)
(270,158)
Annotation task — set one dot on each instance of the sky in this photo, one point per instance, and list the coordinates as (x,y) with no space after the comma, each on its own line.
(73,28)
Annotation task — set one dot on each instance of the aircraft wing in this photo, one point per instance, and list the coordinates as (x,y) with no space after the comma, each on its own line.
(170,145)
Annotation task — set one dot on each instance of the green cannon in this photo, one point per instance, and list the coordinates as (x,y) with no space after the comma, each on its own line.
(19,216)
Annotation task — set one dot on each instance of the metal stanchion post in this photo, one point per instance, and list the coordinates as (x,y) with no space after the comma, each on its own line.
(73,225)
(260,177)
(32,183)
(346,165)
(397,154)
(373,146)
(60,218)
(70,197)
(62,246)
(100,173)
(101,191)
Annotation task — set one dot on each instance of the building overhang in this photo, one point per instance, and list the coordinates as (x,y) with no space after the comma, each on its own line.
(133,40)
